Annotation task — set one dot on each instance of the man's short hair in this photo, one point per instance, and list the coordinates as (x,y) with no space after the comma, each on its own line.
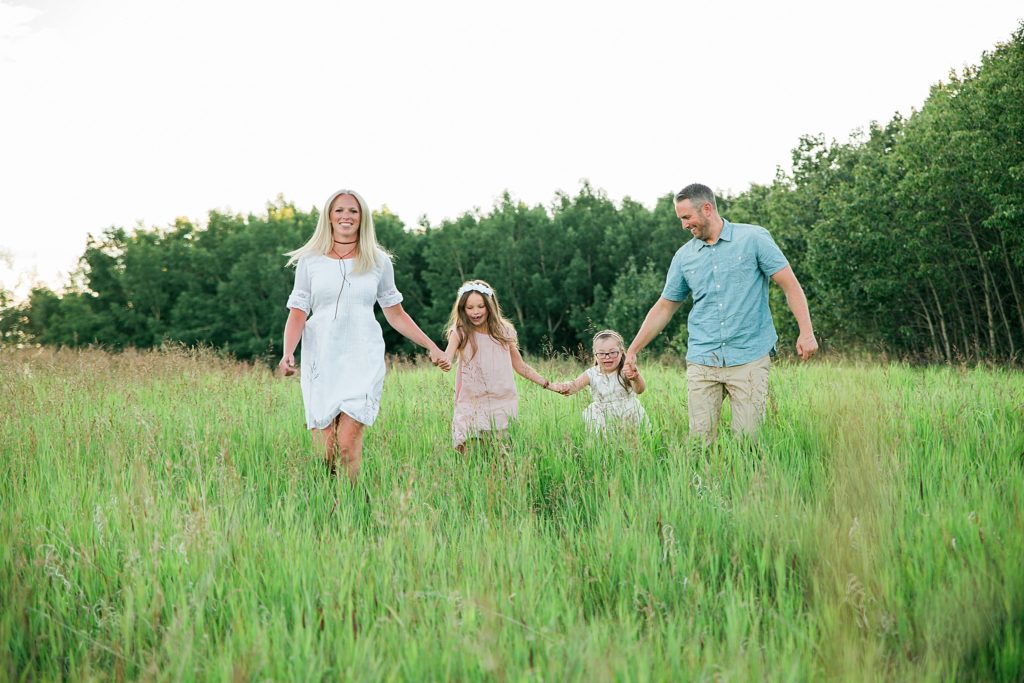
(697,194)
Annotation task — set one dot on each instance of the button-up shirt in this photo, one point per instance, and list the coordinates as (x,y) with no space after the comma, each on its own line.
(730,322)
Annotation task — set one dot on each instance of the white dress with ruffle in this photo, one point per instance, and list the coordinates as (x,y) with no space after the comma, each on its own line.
(342,364)
(612,406)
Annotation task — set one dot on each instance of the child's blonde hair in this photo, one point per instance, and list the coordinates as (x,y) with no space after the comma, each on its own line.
(621,343)
(498,327)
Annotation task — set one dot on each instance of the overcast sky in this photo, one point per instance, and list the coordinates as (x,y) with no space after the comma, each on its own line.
(116,112)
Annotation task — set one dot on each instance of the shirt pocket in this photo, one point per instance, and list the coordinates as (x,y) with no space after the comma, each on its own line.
(742,271)
(695,282)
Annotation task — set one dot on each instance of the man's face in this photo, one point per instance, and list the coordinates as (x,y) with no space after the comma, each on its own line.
(695,219)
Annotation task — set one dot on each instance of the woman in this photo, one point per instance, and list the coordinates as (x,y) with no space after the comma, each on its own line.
(341,272)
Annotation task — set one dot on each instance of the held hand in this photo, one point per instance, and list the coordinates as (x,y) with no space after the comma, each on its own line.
(560,388)
(629,367)
(806,346)
(286,368)
(438,358)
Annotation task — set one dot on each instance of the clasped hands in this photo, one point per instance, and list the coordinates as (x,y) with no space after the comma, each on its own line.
(438,358)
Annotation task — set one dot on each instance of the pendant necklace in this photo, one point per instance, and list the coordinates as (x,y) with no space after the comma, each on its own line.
(344,272)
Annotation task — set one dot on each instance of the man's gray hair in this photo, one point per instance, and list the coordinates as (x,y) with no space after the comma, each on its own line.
(697,194)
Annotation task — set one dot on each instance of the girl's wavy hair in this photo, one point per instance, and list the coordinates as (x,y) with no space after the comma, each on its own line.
(621,343)
(498,327)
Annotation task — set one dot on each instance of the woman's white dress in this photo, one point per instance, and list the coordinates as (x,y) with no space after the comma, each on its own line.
(612,406)
(342,366)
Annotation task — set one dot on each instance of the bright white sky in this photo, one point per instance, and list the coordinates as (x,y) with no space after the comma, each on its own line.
(116,112)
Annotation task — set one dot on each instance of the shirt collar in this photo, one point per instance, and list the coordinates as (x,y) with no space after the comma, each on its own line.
(726,235)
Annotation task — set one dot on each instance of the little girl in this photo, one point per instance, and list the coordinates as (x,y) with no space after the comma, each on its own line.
(615,401)
(484,343)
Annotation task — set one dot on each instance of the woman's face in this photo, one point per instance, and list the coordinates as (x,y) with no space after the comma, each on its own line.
(607,352)
(345,217)
(476,309)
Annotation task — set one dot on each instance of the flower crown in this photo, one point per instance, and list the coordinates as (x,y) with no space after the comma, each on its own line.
(475,287)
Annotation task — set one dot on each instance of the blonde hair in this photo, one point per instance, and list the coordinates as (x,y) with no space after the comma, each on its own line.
(621,343)
(498,327)
(322,240)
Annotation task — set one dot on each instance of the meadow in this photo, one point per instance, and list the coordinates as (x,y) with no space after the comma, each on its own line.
(163,518)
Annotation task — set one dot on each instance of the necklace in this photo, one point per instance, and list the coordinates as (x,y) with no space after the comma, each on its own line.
(345,256)
(343,270)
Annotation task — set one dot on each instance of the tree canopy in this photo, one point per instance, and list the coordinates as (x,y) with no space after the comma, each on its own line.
(908,239)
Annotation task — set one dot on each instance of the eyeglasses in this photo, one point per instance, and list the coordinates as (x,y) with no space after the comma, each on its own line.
(606,354)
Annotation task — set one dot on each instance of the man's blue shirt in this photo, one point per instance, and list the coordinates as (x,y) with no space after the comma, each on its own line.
(730,322)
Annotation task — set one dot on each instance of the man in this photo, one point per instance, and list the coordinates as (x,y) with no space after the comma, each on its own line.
(726,266)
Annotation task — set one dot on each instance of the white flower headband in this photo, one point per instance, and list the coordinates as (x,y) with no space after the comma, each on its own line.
(475,287)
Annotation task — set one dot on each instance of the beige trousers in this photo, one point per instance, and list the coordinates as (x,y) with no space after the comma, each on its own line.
(746,386)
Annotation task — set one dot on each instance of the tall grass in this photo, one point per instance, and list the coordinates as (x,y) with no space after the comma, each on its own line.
(164,518)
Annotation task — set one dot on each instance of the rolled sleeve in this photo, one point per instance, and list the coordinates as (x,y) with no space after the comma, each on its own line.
(387,293)
(300,296)
(770,258)
(676,287)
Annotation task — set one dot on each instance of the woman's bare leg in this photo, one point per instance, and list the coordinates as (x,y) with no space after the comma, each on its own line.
(325,442)
(349,438)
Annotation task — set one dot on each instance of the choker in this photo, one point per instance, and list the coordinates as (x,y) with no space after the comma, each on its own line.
(337,242)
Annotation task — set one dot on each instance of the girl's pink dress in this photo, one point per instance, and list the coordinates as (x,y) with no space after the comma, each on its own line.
(485,390)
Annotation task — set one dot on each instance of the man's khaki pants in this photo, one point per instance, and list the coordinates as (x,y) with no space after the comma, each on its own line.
(747,387)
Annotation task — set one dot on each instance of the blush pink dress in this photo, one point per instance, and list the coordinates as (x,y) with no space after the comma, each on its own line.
(485,390)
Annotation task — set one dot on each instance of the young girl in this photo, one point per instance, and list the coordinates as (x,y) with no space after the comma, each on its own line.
(484,343)
(614,396)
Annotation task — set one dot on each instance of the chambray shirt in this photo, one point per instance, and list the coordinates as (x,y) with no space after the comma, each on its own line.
(730,323)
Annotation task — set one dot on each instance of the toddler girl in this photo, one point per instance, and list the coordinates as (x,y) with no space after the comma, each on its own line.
(484,344)
(614,397)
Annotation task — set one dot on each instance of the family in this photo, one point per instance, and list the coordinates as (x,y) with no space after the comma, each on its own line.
(342,271)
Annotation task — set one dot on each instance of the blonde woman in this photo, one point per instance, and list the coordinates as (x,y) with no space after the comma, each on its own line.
(341,271)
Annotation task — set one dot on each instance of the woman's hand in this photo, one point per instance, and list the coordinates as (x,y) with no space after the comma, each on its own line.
(287,365)
(438,358)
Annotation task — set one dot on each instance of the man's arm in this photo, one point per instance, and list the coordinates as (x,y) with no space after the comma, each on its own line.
(806,344)
(657,318)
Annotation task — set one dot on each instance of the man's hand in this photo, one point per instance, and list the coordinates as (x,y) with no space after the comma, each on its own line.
(806,345)
(629,367)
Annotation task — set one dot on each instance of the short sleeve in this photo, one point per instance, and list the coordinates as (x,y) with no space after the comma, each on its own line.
(770,258)
(676,287)
(387,293)
(300,295)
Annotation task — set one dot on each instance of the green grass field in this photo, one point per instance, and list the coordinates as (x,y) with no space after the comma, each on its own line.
(164,518)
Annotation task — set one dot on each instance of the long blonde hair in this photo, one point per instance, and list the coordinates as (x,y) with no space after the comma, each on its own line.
(498,327)
(621,343)
(322,240)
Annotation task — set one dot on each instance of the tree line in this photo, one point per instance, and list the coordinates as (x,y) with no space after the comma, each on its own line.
(908,239)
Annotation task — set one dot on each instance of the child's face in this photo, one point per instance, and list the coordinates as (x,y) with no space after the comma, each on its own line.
(607,352)
(476,309)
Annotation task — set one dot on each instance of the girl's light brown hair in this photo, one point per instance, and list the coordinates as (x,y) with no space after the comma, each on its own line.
(497,326)
(619,342)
